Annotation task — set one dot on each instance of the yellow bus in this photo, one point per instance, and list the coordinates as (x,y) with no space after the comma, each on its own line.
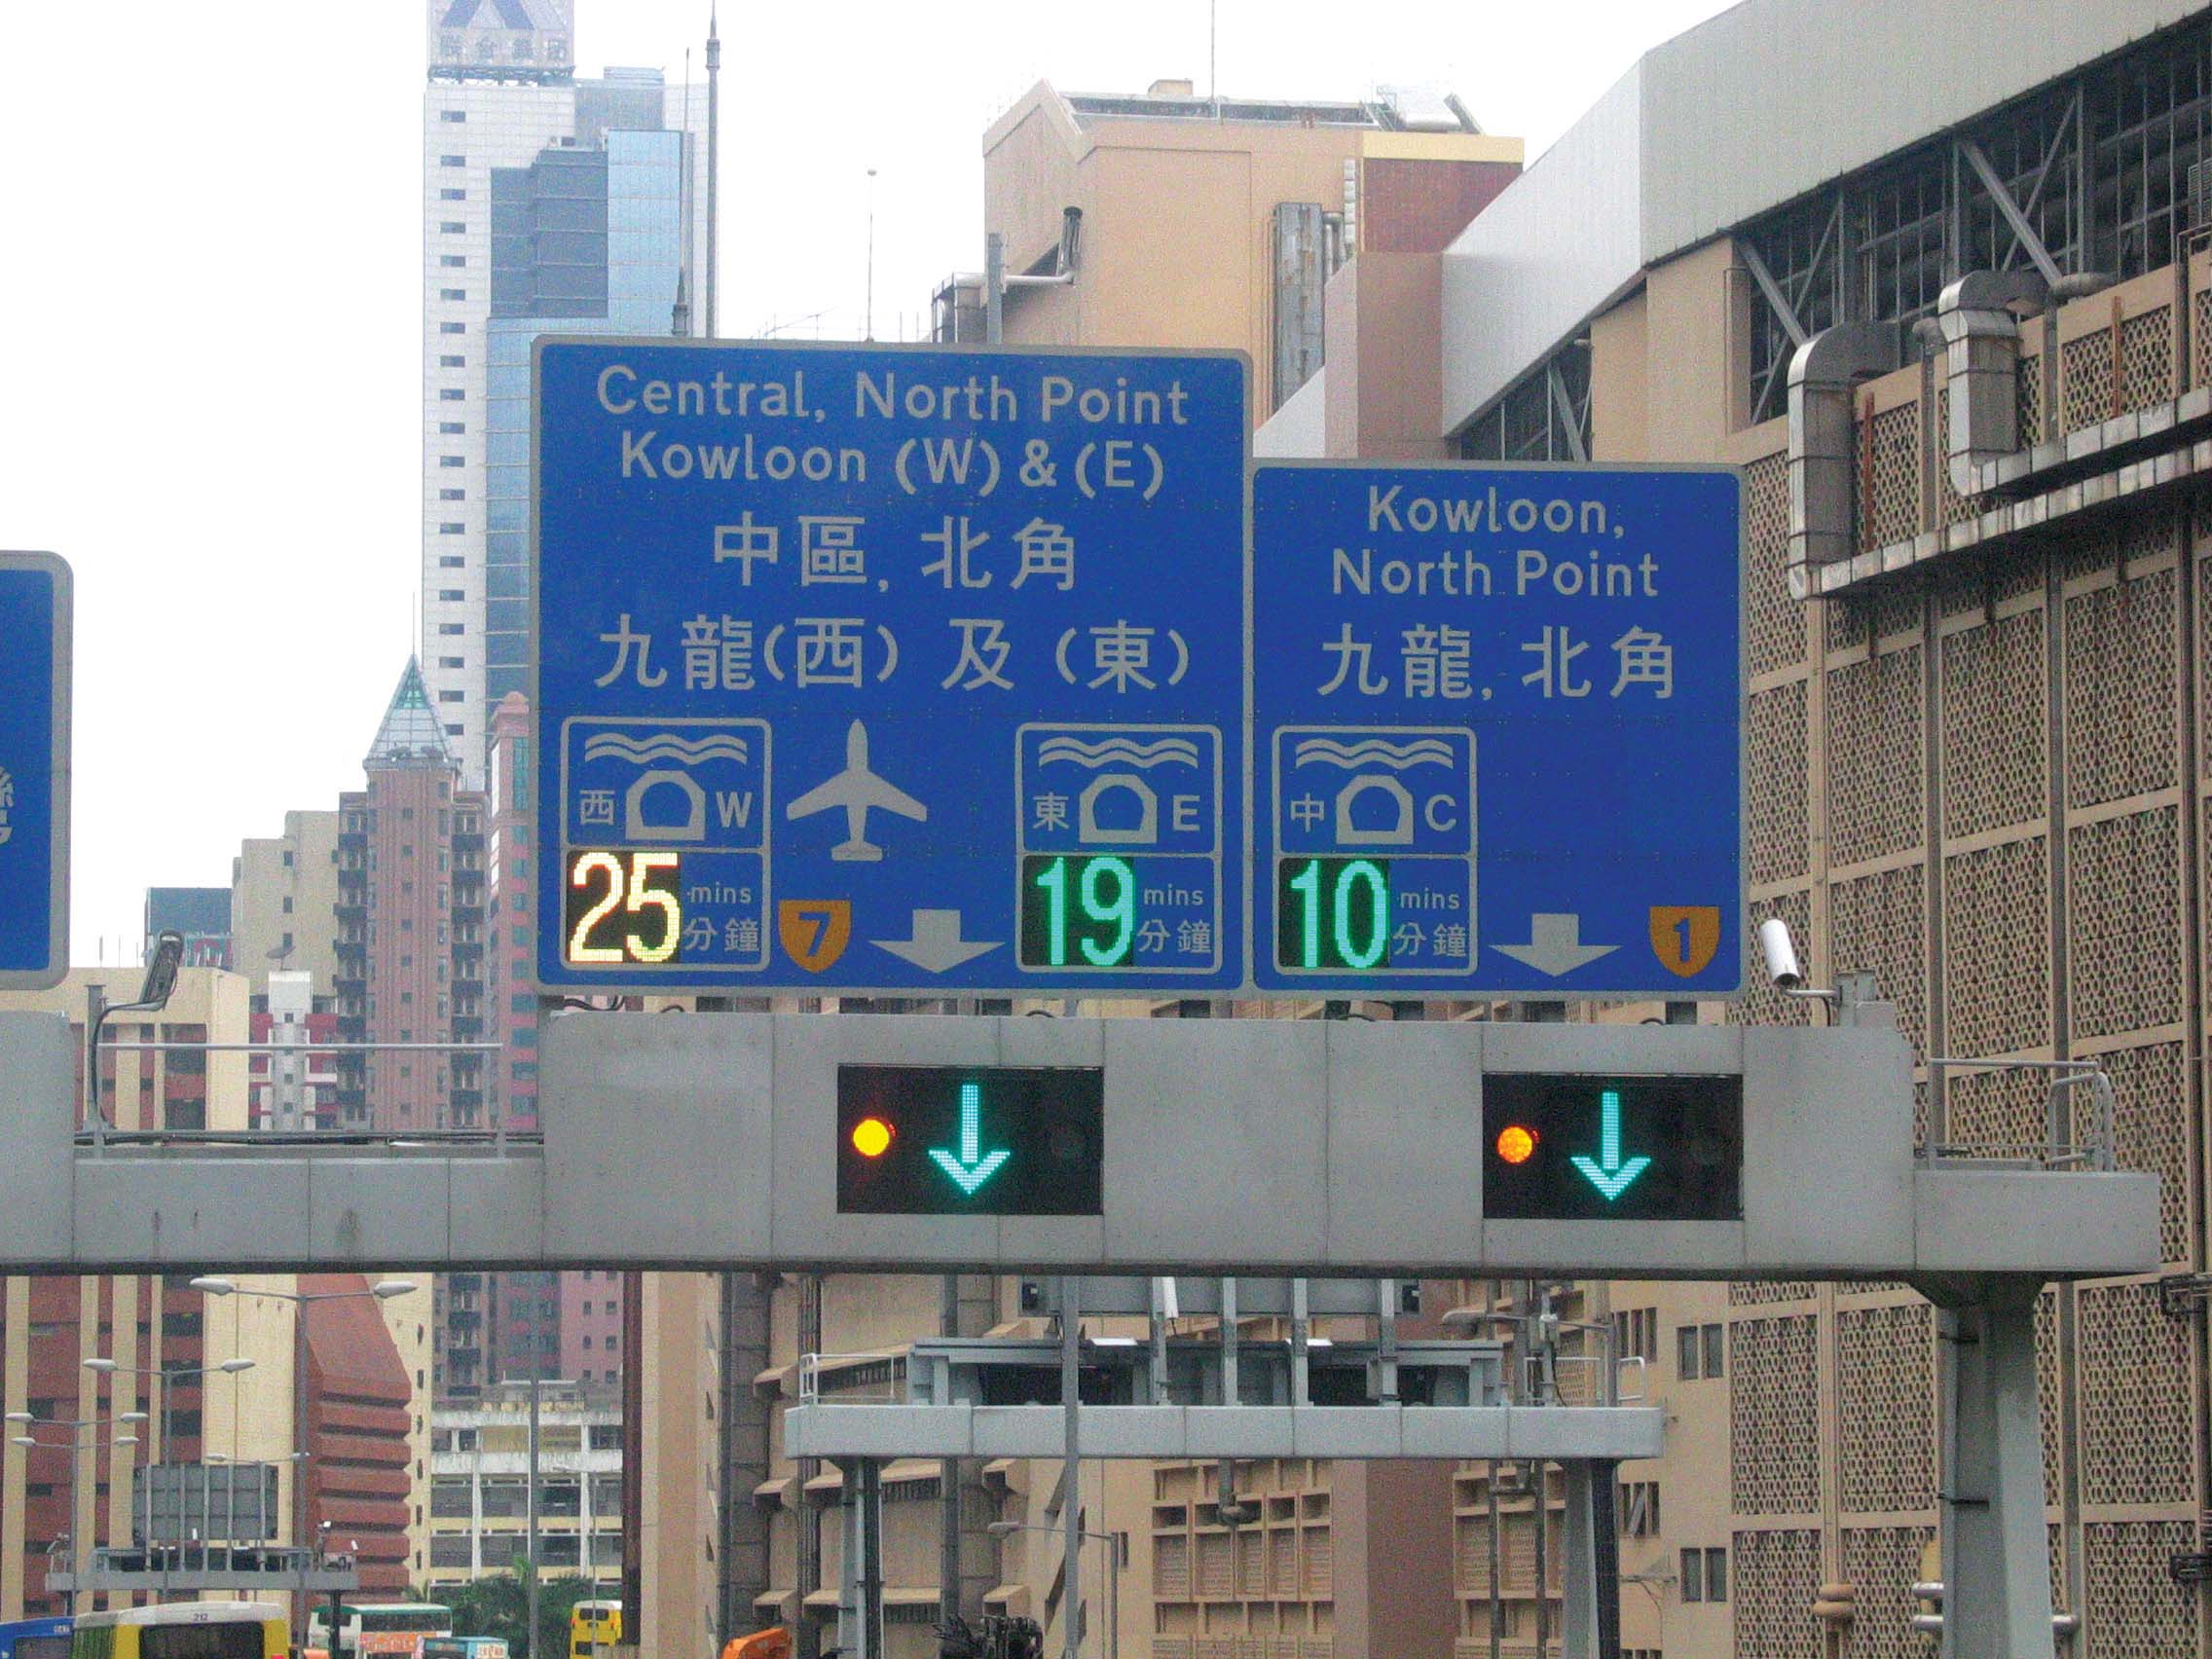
(184,1630)
(595,1630)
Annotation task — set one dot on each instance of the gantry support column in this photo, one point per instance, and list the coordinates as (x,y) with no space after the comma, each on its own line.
(1995,1551)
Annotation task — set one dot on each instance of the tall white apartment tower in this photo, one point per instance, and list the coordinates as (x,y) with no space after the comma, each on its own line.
(550,204)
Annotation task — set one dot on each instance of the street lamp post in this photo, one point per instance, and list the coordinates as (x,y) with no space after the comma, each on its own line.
(163,1375)
(384,1290)
(76,1447)
(1113,1543)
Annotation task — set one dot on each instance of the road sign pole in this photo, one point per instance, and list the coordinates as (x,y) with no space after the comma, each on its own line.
(1071,1467)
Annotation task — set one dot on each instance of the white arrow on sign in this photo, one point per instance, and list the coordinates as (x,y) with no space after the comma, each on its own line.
(936,944)
(1554,946)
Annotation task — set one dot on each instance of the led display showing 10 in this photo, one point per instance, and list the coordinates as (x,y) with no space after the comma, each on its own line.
(1333,913)
(1078,912)
(623,906)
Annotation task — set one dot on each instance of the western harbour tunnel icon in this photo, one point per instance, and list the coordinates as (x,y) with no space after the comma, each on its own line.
(693,787)
(638,822)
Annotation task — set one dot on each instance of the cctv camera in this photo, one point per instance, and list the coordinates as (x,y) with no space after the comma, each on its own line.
(1782,965)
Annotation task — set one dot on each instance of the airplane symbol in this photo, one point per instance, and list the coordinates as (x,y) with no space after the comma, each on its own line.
(856,789)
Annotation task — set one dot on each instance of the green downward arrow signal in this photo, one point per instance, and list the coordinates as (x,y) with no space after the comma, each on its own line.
(974,1166)
(1606,1172)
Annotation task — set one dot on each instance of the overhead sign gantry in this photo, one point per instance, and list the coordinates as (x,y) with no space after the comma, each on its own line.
(868,668)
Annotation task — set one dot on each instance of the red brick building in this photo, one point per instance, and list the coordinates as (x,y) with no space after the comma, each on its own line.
(358,1410)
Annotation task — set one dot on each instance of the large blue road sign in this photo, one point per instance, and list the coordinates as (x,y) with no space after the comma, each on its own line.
(34,770)
(1497,723)
(891,669)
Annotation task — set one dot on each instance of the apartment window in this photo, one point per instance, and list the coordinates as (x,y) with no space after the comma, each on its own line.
(453,495)
(1705,1575)
(450,194)
(450,361)
(287,903)
(455,732)
(453,293)
(452,594)
(453,395)
(453,115)
(452,161)
(452,261)
(587,1345)
(450,628)
(449,696)
(1698,1352)
(452,461)
(1638,1511)
(452,662)
(452,328)
(452,227)
(1635,1331)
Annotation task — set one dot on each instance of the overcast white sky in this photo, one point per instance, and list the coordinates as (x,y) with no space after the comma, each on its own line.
(209,311)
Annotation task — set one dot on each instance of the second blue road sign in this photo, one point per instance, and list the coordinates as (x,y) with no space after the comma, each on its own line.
(920,671)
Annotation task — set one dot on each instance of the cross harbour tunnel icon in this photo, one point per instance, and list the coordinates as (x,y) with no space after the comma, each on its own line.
(1342,789)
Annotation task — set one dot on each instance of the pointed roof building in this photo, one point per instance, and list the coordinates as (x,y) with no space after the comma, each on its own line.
(411,735)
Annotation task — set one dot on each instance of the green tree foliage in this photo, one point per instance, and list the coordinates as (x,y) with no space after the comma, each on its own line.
(498,1604)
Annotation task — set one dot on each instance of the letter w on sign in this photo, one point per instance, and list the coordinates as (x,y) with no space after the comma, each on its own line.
(1684,936)
(816,931)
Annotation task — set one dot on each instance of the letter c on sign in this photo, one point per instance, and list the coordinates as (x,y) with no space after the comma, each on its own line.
(608,374)
(1433,815)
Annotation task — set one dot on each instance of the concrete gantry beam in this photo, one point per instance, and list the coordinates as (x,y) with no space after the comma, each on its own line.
(1555,1432)
(1269,1148)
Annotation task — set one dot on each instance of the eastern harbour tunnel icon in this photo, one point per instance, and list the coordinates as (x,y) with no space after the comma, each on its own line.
(1118,809)
(1119,794)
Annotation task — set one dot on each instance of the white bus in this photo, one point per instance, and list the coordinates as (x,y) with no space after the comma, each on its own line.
(379,1627)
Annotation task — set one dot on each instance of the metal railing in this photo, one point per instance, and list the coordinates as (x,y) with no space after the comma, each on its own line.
(812,1365)
(2057,1150)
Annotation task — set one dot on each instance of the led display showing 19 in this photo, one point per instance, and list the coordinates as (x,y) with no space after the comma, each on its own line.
(1333,913)
(1078,912)
(623,906)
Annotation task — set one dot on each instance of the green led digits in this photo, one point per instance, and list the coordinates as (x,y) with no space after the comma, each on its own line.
(1079,911)
(1333,913)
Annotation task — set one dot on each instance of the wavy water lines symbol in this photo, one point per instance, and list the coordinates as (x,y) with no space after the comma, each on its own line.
(1124,749)
(1374,752)
(665,745)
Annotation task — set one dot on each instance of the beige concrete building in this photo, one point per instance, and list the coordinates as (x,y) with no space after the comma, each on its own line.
(283,896)
(49,1326)
(1978,642)
(1215,225)
(480,1474)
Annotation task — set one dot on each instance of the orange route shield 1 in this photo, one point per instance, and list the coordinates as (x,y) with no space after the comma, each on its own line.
(816,931)
(1684,936)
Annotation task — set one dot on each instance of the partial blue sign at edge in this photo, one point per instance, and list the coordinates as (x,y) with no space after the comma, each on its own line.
(36,598)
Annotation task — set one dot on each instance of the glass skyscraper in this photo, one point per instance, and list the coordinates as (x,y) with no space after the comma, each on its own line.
(550,204)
